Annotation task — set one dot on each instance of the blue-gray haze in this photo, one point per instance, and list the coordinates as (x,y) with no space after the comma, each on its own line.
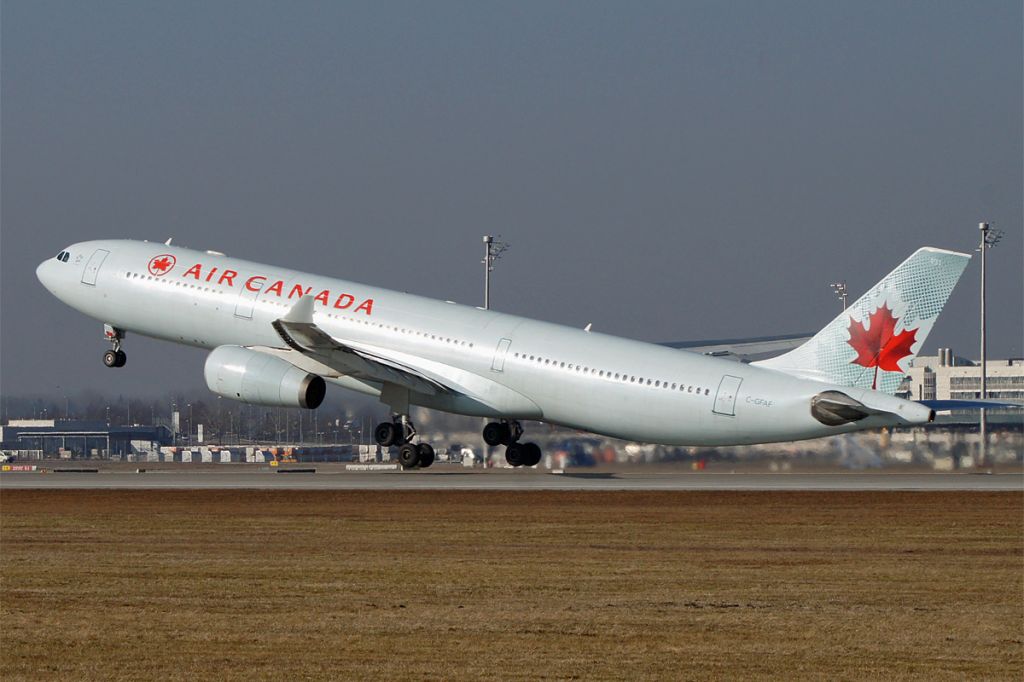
(664,170)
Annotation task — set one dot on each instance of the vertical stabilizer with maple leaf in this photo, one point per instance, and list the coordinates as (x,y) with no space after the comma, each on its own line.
(878,344)
(871,344)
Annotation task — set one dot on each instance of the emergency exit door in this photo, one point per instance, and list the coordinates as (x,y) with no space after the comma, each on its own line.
(247,299)
(498,362)
(725,399)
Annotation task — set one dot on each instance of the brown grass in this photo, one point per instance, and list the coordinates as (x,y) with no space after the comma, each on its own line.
(518,585)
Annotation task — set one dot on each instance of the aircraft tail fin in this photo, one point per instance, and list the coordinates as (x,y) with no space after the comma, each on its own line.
(871,344)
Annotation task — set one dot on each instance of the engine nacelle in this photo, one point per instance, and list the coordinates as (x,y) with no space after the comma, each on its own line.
(253,377)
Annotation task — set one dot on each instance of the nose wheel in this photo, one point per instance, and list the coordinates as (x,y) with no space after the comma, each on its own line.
(114,357)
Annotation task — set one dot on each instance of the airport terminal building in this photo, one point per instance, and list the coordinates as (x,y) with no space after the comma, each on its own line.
(38,438)
(946,376)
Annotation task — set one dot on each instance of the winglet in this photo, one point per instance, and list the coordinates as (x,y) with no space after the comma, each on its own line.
(301,312)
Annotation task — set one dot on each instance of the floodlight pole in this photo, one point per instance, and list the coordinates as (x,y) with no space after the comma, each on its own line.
(984,228)
(493,249)
(982,421)
(989,238)
(488,240)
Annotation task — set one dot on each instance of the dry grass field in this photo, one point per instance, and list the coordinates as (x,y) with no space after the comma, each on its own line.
(520,585)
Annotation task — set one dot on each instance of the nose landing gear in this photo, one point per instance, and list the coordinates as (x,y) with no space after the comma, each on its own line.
(114,357)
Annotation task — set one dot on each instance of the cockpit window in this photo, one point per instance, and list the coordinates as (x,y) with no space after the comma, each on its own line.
(67,256)
(60,256)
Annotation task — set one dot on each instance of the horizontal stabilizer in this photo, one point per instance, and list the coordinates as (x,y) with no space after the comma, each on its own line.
(989,404)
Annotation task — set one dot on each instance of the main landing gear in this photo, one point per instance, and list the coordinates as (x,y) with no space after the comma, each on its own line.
(114,357)
(508,433)
(400,431)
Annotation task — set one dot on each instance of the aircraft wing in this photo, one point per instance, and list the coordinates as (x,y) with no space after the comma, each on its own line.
(742,350)
(299,333)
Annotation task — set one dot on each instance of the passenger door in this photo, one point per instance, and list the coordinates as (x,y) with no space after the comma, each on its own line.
(725,399)
(92,268)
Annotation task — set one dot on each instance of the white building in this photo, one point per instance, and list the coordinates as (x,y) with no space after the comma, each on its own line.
(948,377)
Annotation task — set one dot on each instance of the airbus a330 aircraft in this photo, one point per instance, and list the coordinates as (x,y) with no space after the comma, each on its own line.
(277,336)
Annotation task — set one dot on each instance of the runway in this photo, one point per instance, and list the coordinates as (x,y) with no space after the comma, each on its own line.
(441,479)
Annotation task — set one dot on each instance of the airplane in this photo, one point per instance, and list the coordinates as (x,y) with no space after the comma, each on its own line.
(277,337)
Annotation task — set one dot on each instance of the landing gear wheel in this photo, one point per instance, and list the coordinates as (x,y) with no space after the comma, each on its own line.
(386,434)
(496,433)
(426,455)
(532,454)
(409,456)
(114,357)
(515,454)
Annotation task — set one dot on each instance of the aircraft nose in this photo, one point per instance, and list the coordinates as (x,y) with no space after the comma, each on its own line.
(44,273)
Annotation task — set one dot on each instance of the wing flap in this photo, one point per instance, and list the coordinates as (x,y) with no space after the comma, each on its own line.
(298,331)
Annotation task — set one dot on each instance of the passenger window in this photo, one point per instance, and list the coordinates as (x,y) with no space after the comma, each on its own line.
(657,384)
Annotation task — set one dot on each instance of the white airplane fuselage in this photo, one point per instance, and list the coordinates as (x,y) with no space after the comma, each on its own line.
(503,366)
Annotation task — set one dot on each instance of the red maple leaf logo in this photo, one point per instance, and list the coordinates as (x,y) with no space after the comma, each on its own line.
(160,265)
(879,345)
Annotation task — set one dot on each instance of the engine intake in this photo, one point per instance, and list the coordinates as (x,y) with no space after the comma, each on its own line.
(261,379)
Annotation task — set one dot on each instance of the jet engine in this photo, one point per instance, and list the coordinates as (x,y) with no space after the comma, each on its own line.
(261,379)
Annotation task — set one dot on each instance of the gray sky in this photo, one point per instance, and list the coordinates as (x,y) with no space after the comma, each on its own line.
(667,171)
